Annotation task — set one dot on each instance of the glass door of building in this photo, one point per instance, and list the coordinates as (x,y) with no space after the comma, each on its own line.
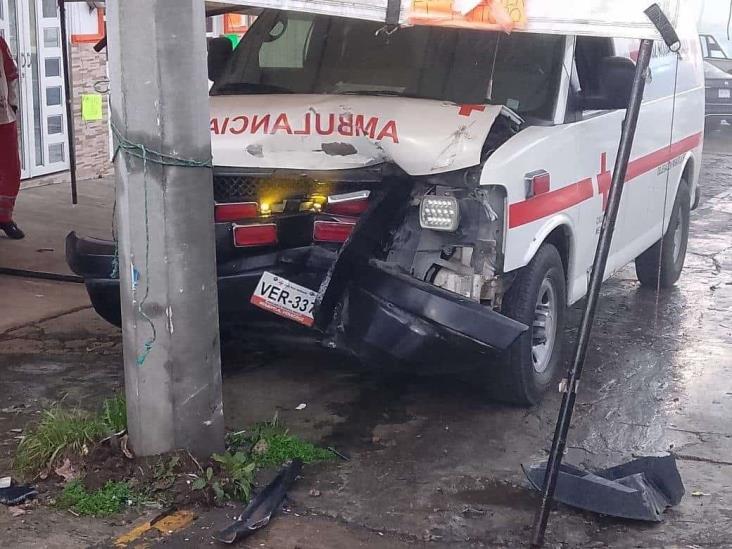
(32,29)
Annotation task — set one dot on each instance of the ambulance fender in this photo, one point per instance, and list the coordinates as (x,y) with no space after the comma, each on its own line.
(560,231)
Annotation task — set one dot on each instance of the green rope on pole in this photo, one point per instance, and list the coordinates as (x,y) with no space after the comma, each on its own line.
(115,262)
(140,151)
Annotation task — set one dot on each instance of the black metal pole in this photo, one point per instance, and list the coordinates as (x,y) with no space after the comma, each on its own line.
(593,294)
(69,99)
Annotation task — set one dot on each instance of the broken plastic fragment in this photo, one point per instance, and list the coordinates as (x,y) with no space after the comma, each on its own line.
(263,507)
(641,489)
(15,495)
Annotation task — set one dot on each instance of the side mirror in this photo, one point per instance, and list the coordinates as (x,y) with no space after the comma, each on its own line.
(615,78)
(219,53)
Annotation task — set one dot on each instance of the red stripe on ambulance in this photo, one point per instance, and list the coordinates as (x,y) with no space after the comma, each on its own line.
(544,205)
(658,158)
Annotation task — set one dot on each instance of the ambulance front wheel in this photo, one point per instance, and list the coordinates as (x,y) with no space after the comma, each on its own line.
(660,266)
(537,298)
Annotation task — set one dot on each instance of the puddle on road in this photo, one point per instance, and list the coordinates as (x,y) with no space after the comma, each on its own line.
(379,401)
(500,494)
(30,379)
(39,368)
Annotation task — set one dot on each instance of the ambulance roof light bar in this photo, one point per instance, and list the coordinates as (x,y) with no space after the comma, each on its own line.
(618,19)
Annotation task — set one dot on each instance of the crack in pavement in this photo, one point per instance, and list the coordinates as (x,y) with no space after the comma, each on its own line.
(311,512)
(713,433)
(8,334)
(689,457)
(713,258)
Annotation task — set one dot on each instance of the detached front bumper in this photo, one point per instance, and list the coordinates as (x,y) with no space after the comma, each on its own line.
(388,314)
(385,315)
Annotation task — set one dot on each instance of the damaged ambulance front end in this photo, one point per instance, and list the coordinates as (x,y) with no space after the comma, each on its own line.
(347,183)
(384,192)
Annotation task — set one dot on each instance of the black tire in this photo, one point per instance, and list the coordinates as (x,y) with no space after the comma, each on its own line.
(697,197)
(514,379)
(662,263)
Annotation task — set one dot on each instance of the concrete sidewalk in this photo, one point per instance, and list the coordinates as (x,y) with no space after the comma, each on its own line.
(46,215)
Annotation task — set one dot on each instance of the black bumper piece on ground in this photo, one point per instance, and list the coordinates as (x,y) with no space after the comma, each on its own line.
(640,490)
(386,314)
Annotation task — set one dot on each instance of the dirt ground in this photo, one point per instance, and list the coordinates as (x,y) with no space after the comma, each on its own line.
(432,464)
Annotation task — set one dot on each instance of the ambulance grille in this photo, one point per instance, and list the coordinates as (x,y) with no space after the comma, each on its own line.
(234,188)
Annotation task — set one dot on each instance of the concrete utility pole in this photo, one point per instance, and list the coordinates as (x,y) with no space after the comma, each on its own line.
(167,264)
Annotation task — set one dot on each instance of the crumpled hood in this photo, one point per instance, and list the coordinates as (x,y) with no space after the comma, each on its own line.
(336,132)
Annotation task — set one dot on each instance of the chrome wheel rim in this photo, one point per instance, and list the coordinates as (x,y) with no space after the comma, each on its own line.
(544,332)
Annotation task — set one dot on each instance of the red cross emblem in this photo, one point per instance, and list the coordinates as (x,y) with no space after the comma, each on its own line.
(467,110)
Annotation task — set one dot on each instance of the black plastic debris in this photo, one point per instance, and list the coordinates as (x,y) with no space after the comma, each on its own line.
(263,507)
(15,495)
(641,489)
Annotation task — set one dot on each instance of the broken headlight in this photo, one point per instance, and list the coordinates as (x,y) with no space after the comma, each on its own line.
(439,213)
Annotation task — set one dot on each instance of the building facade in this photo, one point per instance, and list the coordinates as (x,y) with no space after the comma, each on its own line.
(32,29)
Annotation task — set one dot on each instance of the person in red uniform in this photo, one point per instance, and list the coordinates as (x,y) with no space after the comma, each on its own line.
(9,152)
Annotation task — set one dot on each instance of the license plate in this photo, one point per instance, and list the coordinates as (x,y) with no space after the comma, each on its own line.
(725,94)
(282,297)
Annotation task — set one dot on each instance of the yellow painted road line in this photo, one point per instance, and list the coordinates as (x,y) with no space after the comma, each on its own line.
(167,525)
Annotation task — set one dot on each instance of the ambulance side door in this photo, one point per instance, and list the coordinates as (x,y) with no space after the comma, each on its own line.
(641,209)
(645,196)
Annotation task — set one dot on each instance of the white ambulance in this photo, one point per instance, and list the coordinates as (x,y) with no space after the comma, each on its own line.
(432,196)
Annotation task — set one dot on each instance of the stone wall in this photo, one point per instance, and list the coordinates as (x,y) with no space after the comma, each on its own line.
(92,138)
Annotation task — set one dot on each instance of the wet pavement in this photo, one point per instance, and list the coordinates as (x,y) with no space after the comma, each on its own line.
(432,463)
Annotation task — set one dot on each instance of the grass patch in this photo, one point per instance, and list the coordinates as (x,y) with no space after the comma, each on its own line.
(271,445)
(71,432)
(67,431)
(233,478)
(114,414)
(230,476)
(266,445)
(281,448)
(109,500)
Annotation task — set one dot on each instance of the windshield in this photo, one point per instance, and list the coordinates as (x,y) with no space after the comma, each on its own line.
(288,52)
